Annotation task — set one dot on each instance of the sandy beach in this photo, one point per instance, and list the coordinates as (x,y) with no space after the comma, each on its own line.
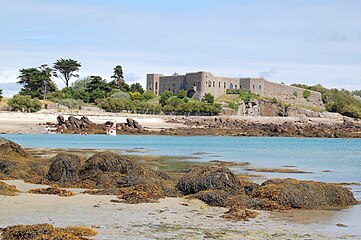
(171,218)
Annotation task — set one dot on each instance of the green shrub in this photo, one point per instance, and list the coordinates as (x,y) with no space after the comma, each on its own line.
(147,95)
(135,95)
(246,96)
(120,95)
(295,93)
(306,94)
(233,91)
(208,98)
(24,103)
(182,94)
(71,103)
(233,105)
(164,97)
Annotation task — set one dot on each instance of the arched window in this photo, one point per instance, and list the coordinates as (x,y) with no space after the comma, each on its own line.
(231,86)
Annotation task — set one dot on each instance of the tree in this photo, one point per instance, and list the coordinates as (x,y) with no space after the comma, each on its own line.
(208,98)
(164,97)
(136,87)
(1,94)
(97,88)
(36,82)
(65,69)
(118,74)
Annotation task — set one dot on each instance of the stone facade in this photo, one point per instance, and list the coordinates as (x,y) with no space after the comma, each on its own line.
(197,84)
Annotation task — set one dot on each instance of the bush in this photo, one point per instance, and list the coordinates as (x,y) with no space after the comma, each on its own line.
(233,105)
(233,91)
(208,98)
(182,94)
(148,95)
(1,94)
(71,103)
(295,93)
(306,94)
(246,96)
(24,103)
(164,97)
(120,95)
(135,95)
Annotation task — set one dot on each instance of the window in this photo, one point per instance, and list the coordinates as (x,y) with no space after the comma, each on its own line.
(231,86)
(254,86)
(235,86)
(156,85)
(194,84)
(219,84)
(209,84)
(214,83)
(224,85)
(260,87)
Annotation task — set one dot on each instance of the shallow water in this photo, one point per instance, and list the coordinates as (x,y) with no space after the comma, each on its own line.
(341,157)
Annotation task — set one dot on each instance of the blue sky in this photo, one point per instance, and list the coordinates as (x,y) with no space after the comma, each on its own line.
(290,41)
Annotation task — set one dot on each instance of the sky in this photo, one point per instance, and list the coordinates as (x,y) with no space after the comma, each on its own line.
(290,41)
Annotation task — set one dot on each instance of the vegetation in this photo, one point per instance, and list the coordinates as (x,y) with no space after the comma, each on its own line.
(341,101)
(233,91)
(208,98)
(71,103)
(24,103)
(246,96)
(1,94)
(234,105)
(306,94)
(36,82)
(65,69)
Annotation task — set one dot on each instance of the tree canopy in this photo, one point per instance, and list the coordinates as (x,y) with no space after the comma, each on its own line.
(65,69)
(1,94)
(36,82)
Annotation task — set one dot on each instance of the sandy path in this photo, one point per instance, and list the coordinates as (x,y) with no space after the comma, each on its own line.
(165,220)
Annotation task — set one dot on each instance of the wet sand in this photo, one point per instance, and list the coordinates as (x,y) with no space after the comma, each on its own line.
(176,218)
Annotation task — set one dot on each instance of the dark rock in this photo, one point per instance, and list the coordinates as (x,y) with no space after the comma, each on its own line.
(60,120)
(209,178)
(213,197)
(64,167)
(130,122)
(6,166)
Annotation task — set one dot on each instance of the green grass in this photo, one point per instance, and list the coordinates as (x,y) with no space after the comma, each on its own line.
(227,98)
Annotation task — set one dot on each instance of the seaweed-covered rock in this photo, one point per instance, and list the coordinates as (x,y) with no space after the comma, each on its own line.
(6,166)
(209,178)
(52,191)
(45,231)
(108,162)
(64,167)
(8,147)
(213,197)
(7,190)
(305,194)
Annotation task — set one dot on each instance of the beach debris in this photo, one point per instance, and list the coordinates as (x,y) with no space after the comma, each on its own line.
(64,167)
(7,190)
(209,178)
(46,231)
(341,225)
(52,191)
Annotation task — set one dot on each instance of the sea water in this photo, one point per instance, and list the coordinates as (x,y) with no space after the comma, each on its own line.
(327,160)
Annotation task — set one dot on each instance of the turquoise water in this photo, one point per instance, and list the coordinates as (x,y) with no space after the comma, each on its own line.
(341,156)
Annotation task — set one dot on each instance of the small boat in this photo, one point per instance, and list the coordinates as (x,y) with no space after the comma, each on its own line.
(113,129)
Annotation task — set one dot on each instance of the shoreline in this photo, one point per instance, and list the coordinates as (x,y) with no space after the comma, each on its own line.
(332,127)
(172,217)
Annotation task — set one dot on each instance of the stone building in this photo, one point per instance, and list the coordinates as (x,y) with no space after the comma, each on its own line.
(196,84)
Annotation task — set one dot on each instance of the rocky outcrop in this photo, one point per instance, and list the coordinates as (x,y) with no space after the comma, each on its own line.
(209,178)
(305,194)
(64,167)
(8,147)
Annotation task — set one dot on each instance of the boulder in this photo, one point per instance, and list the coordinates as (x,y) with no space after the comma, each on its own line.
(305,194)
(130,122)
(218,198)
(60,120)
(8,147)
(108,162)
(209,178)
(64,167)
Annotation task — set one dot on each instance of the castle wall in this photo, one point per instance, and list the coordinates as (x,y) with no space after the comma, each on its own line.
(197,84)
(292,94)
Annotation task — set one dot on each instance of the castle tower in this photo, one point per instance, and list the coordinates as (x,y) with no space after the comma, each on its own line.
(153,83)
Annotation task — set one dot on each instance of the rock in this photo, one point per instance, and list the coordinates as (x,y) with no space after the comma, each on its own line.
(60,120)
(213,197)
(209,178)
(305,194)
(107,162)
(303,118)
(64,167)
(8,147)
(137,125)
(130,122)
